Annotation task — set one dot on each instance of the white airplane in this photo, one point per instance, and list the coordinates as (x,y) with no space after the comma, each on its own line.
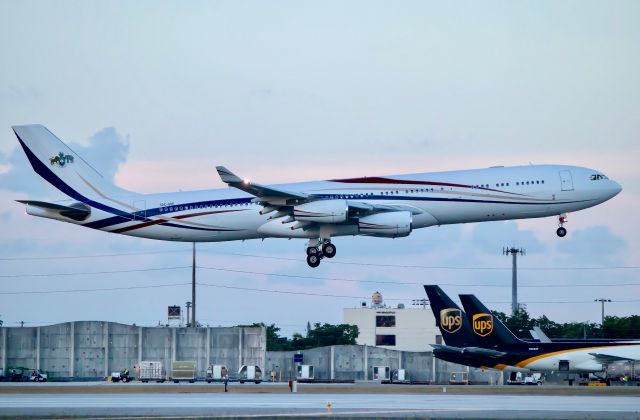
(388,206)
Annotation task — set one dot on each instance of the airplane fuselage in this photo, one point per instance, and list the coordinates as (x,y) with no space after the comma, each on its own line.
(439,198)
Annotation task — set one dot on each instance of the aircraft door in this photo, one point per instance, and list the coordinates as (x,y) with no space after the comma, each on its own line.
(566,181)
(140,210)
(563,366)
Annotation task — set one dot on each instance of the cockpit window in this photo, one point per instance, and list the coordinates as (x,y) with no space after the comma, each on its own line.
(597,177)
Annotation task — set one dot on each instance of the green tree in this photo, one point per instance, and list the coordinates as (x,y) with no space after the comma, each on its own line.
(318,336)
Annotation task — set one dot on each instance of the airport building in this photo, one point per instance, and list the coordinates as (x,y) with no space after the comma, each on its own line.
(399,328)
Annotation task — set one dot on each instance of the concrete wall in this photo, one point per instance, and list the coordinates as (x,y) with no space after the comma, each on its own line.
(93,349)
(357,362)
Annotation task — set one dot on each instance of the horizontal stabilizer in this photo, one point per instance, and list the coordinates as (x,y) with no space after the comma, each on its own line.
(77,211)
(475,351)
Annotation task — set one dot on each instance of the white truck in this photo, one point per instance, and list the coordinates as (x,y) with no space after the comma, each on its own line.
(151,371)
(217,373)
(249,374)
(520,378)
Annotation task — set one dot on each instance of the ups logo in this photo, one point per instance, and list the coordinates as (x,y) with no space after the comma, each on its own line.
(483,324)
(450,319)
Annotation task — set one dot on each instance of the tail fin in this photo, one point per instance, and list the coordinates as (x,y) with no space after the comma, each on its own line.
(62,167)
(454,325)
(489,330)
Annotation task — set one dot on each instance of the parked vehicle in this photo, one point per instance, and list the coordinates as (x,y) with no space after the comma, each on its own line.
(217,373)
(152,371)
(459,378)
(249,374)
(123,376)
(17,374)
(520,378)
(305,372)
(38,376)
(183,371)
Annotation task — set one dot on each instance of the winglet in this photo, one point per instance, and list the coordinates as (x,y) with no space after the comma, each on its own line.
(227,176)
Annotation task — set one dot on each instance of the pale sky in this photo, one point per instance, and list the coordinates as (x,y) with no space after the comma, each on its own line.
(155,94)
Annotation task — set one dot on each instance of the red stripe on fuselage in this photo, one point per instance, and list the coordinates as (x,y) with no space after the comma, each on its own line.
(160,221)
(381,180)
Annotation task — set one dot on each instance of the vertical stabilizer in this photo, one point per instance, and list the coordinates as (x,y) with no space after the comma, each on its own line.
(62,167)
(488,329)
(453,324)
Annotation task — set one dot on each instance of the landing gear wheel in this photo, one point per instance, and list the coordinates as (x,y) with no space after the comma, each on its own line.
(329,250)
(312,250)
(313,260)
(561,232)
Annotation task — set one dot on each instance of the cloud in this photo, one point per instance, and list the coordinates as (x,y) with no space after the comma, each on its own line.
(492,236)
(106,150)
(595,245)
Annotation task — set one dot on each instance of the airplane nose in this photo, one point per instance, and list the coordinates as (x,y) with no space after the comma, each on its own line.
(615,188)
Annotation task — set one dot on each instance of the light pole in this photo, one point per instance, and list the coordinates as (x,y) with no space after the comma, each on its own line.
(514,276)
(193,288)
(602,300)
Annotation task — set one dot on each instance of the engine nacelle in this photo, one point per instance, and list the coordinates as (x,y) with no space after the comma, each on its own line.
(324,211)
(393,224)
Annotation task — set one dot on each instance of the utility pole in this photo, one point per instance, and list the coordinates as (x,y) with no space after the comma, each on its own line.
(514,276)
(193,289)
(602,300)
(188,304)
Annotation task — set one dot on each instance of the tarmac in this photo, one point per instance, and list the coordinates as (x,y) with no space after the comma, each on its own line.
(107,400)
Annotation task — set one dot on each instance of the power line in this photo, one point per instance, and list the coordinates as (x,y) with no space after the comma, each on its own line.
(77,257)
(300,276)
(417,266)
(104,289)
(360,297)
(286,292)
(83,273)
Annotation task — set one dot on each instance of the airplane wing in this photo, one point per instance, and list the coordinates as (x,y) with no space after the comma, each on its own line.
(610,358)
(263,192)
(275,199)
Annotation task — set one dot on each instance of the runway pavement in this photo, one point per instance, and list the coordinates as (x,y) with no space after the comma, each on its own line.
(261,402)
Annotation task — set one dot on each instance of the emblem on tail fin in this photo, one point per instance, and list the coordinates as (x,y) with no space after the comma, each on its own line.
(451,319)
(482,324)
(61,159)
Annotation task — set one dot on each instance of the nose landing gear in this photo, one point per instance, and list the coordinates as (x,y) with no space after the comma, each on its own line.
(317,250)
(562,232)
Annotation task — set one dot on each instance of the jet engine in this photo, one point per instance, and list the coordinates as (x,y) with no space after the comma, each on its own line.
(393,224)
(324,211)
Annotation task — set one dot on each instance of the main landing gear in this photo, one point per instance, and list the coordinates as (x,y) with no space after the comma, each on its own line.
(318,251)
(562,232)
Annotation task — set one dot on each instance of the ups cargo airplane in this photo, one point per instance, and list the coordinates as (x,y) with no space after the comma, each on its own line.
(477,338)
(381,206)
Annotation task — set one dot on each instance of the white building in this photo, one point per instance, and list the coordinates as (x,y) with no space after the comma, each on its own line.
(406,329)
